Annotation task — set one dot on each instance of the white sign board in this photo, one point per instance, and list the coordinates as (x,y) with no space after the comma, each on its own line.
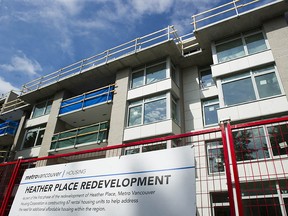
(153,183)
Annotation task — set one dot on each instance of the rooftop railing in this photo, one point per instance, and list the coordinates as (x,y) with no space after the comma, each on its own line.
(219,13)
(92,134)
(109,55)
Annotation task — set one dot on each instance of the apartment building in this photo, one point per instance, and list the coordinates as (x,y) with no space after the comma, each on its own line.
(233,69)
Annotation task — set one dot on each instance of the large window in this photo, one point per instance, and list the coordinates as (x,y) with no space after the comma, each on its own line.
(240,46)
(42,108)
(250,144)
(210,111)
(147,110)
(149,74)
(251,85)
(215,156)
(34,137)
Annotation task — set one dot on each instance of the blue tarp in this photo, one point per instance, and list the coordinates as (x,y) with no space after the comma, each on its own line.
(8,127)
(86,100)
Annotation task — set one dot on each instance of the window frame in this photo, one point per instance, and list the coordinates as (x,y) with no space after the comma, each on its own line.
(146,148)
(219,145)
(48,103)
(252,74)
(202,84)
(259,136)
(207,103)
(175,115)
(37,129)
(242,38)
(142,103)
(145,69)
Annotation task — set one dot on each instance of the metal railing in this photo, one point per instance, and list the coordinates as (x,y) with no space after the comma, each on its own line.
(12,105)
(80,102)
(95,133)
(109,55)
(219,13)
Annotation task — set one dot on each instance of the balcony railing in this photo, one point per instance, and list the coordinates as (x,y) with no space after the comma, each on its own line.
(12,105)
(8,128)
(107,56)
(92,134)
(92,98)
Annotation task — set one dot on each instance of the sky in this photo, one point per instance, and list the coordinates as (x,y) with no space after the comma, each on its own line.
(38,37)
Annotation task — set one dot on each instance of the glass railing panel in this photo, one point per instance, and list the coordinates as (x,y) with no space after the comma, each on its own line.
(8,127)
(96,133)
(95,97)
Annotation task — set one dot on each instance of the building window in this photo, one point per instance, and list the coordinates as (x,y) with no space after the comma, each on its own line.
(147,110)
(174,74)
(206,79)
(249,86)
(175,110)
(34,137)
(145,148)
(230,50)
(42,108)
(255,43)
(215,156)
(278,136)
(250,144)
(148,74)
(220,203)
(260,198)
(240,46)
(210,111)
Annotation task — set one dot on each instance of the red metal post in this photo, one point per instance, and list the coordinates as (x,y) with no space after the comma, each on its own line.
(227,169)
(235,170)
(10,188)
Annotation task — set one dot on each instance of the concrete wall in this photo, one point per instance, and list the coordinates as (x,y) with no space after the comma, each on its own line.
(277,34)
(118,113)
(19,136)
(192,99)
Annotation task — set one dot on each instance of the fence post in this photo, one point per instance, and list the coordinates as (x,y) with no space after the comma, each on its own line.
(235,170)
(227,169)
(233,183)
(10,187)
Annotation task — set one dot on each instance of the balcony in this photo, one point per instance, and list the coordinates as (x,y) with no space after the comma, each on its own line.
(83,137)
(7,132)
(96,104)
(11,103)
